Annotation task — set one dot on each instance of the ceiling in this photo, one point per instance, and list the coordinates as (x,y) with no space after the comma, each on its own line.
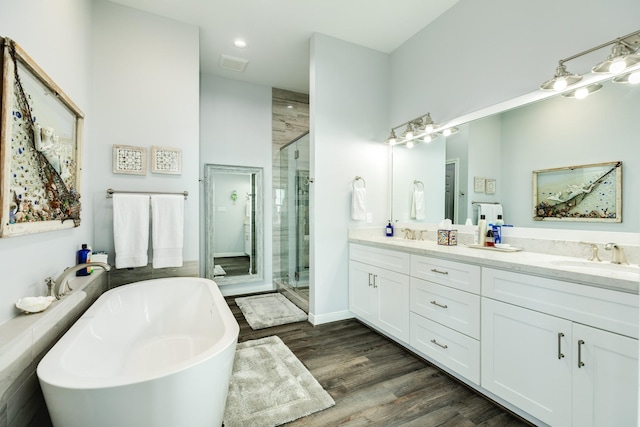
(277,32)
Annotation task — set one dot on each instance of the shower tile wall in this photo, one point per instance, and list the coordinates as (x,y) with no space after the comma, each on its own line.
(290,118)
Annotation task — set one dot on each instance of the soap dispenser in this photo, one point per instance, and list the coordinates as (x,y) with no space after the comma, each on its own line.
(389,229)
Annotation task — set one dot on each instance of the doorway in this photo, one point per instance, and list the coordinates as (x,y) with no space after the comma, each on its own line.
(451,191)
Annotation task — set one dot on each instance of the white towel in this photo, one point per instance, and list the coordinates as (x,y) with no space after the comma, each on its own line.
(359,204)
(417,205)
(167,230)
(131,229)
(490,211)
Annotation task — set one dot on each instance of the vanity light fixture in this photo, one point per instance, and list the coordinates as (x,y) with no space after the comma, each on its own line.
(583,92)
(420,129)
(625,54)
(450,131)
(631,78)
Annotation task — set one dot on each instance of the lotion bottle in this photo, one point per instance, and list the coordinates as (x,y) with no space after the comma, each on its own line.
(84,256)
(389,229)
(482,231)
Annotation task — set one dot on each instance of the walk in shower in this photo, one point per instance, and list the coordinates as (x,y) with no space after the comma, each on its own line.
(292,210)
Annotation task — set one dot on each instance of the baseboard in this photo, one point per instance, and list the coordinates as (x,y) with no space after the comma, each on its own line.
(336,316)
(244,288)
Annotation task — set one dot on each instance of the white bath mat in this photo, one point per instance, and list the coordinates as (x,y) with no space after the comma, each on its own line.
(218,270)
(264,311)
(270,386)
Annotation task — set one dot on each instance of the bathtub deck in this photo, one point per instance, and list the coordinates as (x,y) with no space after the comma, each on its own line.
(377,382)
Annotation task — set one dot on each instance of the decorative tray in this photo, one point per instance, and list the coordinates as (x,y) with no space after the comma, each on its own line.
(489,248)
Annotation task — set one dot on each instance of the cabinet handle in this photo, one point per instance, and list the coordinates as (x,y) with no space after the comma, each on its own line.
(438,344)
(580,362)
(370,275)
(560,355)
(438,271)
(375,277)
(434,302)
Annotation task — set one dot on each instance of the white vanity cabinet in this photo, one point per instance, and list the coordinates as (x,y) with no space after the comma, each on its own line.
(565,353)
(445,313)
(379,288)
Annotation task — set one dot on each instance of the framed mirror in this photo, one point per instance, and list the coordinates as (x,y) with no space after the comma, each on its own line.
(234,224)
(504,144)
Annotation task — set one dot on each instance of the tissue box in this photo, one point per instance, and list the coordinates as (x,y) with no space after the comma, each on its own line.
(448,237)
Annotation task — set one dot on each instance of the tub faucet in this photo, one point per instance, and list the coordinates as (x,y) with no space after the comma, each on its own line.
(62,281)
(618,256)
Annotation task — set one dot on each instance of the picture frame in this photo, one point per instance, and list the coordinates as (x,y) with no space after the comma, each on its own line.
(478,184)
(589,193)
(167,160)
(490,186)
(129,159)
(40,147)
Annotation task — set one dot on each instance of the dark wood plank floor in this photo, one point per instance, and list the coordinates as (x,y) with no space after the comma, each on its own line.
(375,382)
(234,265)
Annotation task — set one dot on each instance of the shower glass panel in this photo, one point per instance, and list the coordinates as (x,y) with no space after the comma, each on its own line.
(294,243)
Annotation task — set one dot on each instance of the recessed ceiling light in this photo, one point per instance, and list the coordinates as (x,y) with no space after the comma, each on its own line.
(240,43)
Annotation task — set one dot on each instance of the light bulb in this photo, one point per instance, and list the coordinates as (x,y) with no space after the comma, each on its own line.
(446,132)
(410,144)
(428,128)
(427,138)
(408,135)
(617,66)
(392,141)
(581,93)
(634,78)
(560,84)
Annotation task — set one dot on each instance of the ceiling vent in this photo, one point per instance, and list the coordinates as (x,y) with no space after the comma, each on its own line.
(233,63)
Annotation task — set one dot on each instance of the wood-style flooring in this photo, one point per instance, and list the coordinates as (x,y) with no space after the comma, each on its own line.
(234,265)
(376,382)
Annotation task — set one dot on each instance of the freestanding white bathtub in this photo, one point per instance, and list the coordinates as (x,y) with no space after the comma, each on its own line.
(154,353)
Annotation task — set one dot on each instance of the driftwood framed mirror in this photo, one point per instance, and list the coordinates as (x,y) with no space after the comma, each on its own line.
(40,148)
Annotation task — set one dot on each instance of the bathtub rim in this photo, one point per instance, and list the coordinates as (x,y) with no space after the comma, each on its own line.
(49,368)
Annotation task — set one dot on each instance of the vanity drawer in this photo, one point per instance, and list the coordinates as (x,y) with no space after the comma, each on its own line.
(450,273)
(451,307)
(452,349)
(383,258)
(602,308)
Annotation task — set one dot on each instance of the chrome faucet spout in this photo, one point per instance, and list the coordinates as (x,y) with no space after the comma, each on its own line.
(59,286)
(617,254)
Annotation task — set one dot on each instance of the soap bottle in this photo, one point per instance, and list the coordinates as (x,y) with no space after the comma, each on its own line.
(497,230)
(482,230)
(83,256)
(389,229)
(489,239)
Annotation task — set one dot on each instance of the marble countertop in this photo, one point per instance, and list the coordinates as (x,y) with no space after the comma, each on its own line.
(623,278)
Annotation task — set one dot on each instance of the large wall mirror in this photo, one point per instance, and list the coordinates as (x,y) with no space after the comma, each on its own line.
(234,224)
(506,146)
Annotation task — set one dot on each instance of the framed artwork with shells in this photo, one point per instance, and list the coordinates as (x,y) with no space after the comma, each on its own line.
(590,193)
(40,148)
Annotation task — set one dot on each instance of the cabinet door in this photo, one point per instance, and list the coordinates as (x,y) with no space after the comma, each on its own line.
(605,385)
(361,291)
(392,303)
(526,360)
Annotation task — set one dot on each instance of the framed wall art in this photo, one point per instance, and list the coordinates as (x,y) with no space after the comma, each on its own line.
(478,184)
(40,148)
(490,186)
(579,193)
(166,160)
(129,159)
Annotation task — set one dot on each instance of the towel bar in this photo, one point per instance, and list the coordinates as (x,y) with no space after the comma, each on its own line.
(359,178)
(110,192)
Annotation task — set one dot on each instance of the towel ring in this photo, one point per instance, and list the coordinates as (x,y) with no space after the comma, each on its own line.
(359,178)
(418,185)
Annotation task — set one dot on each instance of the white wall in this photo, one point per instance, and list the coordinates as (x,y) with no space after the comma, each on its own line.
(57,35)
(146,86)
(236,130)
(349,120)
(479,53)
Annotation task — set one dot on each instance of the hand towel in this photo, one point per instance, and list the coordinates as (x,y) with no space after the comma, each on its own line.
(359,204)
(417,205)
(167,230)
(131,229)
(490,211)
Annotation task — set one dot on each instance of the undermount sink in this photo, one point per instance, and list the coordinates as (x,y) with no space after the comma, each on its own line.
(594,266)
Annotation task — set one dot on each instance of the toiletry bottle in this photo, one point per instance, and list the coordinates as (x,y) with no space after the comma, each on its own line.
(489,240)
(497,230)
(389,229)
(83,256)
(482,230)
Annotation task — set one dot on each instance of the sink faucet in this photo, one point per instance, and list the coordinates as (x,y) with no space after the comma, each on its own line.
(594,252)
(62,281)
(618,256)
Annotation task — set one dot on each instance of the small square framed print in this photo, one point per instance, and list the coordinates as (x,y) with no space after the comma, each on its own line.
(490,186)
(129,159)
(478,184)
(166,160)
